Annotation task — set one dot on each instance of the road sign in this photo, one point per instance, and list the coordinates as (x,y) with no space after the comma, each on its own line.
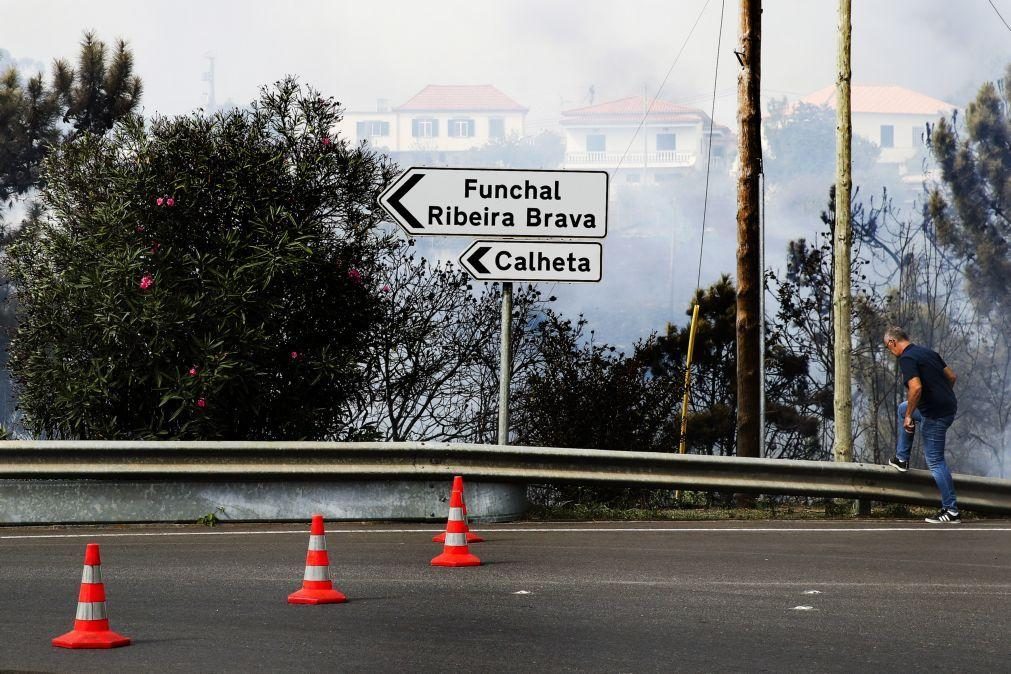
(499,203)
(533,260)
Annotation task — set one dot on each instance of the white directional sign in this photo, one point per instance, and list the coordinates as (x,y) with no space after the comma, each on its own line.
(533,260)
(499,203)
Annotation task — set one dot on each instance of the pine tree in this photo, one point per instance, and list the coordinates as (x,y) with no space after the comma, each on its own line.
(972,208)
(28,116)
(91,98)
(101,90)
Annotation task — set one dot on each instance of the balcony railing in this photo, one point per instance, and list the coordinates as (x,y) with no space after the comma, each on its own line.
(665,159)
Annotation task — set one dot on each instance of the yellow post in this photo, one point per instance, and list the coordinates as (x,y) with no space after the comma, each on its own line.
(688,383)
(688,378)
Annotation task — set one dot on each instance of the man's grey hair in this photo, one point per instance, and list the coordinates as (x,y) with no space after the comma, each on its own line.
(896,333)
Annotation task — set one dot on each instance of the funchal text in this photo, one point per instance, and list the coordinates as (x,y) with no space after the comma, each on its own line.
(487,216)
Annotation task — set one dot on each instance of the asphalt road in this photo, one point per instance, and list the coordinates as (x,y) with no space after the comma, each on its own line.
(629,597)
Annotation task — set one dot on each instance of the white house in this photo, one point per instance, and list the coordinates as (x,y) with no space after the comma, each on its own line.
(439,118)
(672,137)
(892,117)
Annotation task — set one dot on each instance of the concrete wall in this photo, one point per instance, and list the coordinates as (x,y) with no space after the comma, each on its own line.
(103,501)
(907,132)
(401,138)
(689,137)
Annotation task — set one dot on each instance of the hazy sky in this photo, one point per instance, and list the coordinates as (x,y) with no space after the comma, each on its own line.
(544,53)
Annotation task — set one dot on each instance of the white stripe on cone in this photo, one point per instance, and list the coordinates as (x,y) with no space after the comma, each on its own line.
(91,610)
(316,573)
(317,542)
(456,514)
(456,540)
(92,574)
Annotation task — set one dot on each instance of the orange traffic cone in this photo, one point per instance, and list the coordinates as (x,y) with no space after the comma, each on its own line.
(317,588)
(456,551)
(91,626)
(471,536)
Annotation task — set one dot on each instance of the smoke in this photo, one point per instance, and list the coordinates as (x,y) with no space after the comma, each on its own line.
(548,56)
(27,67)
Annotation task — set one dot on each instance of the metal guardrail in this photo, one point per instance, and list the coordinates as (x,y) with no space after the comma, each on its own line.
(271,461)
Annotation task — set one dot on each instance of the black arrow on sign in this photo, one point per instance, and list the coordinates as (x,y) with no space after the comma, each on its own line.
(475,259)
(394,201)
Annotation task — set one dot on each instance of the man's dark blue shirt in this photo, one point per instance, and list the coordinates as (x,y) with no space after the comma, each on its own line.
(938,398)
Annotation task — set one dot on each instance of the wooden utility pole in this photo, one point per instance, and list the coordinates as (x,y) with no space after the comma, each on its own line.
(841,301)
(749,272)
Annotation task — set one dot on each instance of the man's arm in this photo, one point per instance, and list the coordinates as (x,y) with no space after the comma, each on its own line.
(915,391)
(951,376)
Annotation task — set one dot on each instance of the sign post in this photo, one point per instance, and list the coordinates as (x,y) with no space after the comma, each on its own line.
(505,367)
(531,219)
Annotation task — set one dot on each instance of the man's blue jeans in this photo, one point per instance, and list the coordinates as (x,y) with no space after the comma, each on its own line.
(933,450)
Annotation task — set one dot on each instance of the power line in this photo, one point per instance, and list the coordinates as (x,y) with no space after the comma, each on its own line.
(709,155)
(662,85)
(998,14)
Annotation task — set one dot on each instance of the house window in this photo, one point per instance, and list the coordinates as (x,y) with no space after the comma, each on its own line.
(919,133)
(371,128)
(887,135)
(596,142)
(461,128)
(666,142)
(424,128)
(496,128)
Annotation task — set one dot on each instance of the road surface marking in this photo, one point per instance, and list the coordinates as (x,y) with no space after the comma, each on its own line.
(516,530)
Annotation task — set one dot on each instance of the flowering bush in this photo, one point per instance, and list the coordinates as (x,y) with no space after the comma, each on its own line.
(202,277)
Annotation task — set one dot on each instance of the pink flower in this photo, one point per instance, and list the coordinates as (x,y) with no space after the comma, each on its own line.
(201,403)
(294,355)
(159,201)
(139,228)
(386,288)
(146,281)
(355,275)
(155,247)
(326,141)
(193,372)
(170,202)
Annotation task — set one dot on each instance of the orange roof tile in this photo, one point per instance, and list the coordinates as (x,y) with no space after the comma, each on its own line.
(891,99)
(460,97)
(633,105)
(631,109)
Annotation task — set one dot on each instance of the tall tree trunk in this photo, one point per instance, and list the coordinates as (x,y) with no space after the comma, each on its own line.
(749,273)
(841,301)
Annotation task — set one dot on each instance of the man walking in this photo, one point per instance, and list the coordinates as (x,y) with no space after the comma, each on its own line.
(931,403)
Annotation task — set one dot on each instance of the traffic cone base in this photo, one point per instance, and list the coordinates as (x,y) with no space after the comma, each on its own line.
(306,596)
(454,559)
(91,639)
